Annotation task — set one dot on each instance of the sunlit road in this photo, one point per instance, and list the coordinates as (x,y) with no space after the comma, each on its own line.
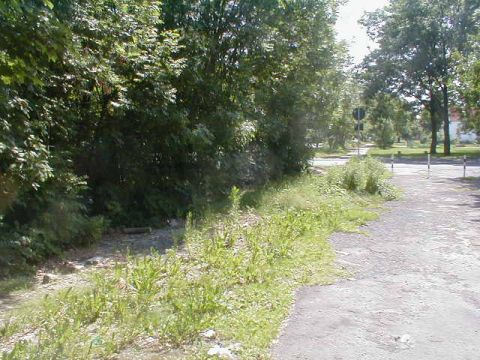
(413,291)
(444,168)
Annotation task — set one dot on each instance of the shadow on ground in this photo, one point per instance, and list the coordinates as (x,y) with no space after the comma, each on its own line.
(422,160)
(72,268)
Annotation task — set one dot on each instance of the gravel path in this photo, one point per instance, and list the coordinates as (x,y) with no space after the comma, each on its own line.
(414,292)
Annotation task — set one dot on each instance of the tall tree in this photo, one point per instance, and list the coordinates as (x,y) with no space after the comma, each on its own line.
(133,110)
(417,43)
(467,89)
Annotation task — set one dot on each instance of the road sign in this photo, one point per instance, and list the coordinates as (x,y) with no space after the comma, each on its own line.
(359,127)
(358,113)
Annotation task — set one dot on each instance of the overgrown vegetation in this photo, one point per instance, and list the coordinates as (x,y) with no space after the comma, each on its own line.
(363,176)
(136,111)
(235,273)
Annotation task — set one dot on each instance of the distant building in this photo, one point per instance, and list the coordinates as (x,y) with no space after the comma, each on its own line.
(456,129)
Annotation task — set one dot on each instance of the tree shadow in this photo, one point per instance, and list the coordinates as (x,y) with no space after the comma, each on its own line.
(470,185)
(417,160)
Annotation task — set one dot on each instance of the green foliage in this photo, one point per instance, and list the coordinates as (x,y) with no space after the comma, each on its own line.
(156,104)
(45,222)
(389,119)
(419,43)
(342,93)
(384,135)
(236,274)
(468,88)
(363,176)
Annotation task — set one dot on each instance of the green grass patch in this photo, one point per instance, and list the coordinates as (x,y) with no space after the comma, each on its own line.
(236,274)
(326,152)
(472,151)
(13,284)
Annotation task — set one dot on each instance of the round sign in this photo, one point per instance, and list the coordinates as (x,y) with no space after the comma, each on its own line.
(358,113)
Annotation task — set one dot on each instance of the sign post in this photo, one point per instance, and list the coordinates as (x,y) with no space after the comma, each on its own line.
(358,114)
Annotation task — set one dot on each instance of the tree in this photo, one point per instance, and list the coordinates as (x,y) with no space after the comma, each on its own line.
(418,40)
(467,90)
(341,126)
(140,110)
(388,118)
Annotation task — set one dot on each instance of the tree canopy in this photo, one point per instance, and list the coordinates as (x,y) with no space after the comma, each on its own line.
(131,112)
(418,44)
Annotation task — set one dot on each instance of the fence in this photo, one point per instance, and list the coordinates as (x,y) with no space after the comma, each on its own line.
(428,164)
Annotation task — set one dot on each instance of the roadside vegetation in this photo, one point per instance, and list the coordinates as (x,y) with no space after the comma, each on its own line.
(232,272)
(121,113)
(326,152)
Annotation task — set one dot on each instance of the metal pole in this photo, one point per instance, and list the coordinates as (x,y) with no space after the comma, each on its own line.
(393,156)
(464,166)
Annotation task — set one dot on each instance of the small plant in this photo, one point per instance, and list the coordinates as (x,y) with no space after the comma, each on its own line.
(367,175)
(236,273)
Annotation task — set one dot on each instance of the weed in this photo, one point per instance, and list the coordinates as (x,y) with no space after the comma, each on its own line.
(368,176)
(235,273)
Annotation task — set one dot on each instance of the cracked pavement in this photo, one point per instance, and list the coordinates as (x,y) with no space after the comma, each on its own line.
(414,288)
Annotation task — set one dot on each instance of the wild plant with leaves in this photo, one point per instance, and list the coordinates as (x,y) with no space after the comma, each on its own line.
(141,110)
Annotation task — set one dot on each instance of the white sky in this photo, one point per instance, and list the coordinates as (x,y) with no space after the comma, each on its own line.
(351,31)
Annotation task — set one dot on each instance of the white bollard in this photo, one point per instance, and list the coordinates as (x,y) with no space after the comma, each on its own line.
(464,166)
(393,156)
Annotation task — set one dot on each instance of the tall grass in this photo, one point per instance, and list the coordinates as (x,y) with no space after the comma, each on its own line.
(235,273)
(363,176)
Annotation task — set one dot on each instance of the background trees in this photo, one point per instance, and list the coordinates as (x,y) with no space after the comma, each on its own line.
(418,43)
(390,120)
(136,110)
(467,86)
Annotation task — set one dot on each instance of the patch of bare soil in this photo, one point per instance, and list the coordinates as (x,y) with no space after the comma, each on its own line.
(73,268)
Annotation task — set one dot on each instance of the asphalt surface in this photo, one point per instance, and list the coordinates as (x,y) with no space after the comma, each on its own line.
(414,288)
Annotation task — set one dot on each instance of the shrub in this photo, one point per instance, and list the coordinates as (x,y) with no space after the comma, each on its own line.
(384,133)
(367,175)
(44,222)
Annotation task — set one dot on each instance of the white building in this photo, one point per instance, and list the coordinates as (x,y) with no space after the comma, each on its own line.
(456,129)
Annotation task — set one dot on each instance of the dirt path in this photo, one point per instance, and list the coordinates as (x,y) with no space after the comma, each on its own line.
(331,161)
(414,292)
(73,269)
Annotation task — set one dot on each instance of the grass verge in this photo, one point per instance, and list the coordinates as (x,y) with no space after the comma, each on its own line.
(326,152)
(471,151)
(18,283)
(235,274)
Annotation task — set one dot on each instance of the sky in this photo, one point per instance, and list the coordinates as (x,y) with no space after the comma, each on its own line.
(353,33)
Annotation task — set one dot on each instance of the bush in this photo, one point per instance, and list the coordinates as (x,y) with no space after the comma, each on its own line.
(367,175)
(384,134)
(44,222)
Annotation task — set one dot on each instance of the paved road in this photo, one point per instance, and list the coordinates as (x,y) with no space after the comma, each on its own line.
(414,292)
(331,161)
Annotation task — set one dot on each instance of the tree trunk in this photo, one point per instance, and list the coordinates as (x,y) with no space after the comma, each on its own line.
(433,122)
(446,121)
